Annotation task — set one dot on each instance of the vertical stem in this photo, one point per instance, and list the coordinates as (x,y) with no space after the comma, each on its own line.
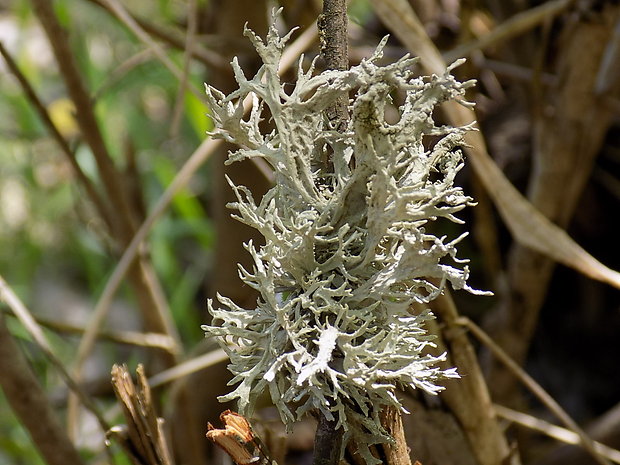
(327,442)
(332,25)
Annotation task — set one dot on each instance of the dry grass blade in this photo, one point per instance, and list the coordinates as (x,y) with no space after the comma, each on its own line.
(142,437)
(528,226)
(535,388)
(188,367)
(553,431)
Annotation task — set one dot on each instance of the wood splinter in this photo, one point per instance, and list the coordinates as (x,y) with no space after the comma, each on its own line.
(237,439)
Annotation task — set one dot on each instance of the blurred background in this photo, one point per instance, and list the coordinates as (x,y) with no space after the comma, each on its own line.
(101,108)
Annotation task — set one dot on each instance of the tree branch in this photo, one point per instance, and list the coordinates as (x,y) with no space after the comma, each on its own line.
(89,127)
(29,402)
(327,442)
(332,25)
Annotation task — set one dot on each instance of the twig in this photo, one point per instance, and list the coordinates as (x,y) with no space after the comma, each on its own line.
(565,145)
(55,133)
(29,402)
(25,317)
(332,25)
(557,432)
(143,437)
(198,52)
(188,367)
(85,115)
(134,338)
(333,38)
(516,72)
(124,17)
(125,67)
(397,453)
(148,291)
(534,388)
(202,153)
(468,399)
(518,24)
(192,26)
(327,442)
(609,71)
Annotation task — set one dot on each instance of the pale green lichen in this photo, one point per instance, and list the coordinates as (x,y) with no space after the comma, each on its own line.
(346,251)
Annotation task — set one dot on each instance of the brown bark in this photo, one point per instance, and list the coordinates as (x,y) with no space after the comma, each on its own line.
(29,401)
(332,24)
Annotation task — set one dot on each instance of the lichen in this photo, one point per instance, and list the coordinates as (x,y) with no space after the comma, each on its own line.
(346,248)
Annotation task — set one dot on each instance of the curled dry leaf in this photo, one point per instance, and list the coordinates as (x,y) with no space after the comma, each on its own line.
(237,438)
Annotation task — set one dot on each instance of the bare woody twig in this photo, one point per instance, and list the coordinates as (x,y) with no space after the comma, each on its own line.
(327,442)
(129,21)
(29,402)
(332,24)
(153,305)
(152,302)
(557,432)
(188,367)
(396,453)
(133,338)
(85,114)
(333,37)
(512,27)
(174,40)
(468,399)
(25,317)
(192,27)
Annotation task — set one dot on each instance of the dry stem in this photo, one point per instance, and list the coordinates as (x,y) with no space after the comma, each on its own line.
(533,387)
(333,37)
(29,402)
